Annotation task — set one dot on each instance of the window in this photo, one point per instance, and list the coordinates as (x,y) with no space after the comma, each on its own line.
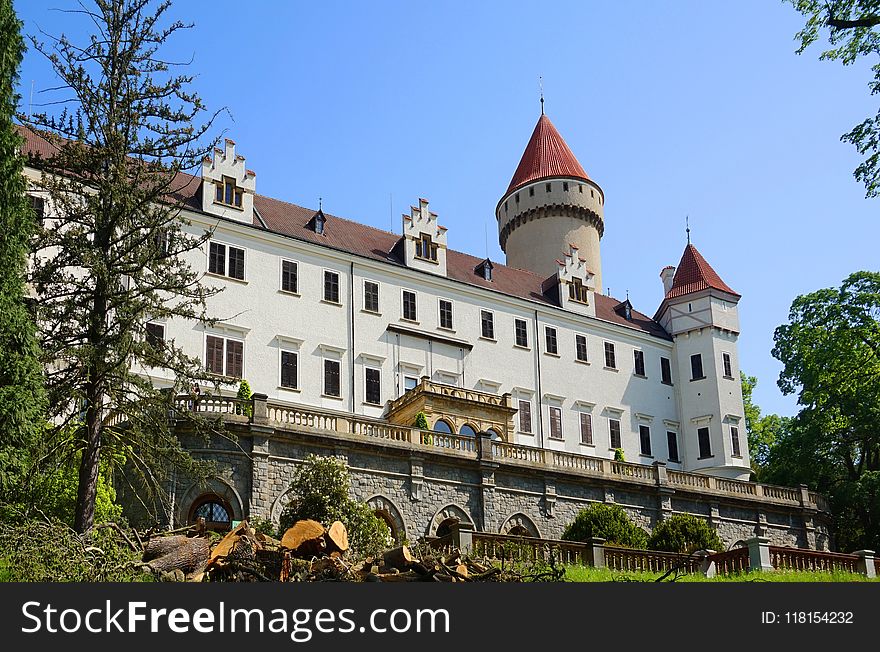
(672,445)
(550,337)
(586,428)
(532,191)
(577,291)
(445,314)
(639,362)
(555,423)
(580,345)
(645,440)
(289,364)
(155,335)
(734,441)
(442,426)
(487,324)
(610,361)
(614,432)
(371,296)
(467,431)
(565,186)
(548,187)
(319,222)
(226,260)
(525,416)
(665,371)
(728,368)
(331,377)
(520,332)
(425,248)
(697,367)
(38,206)
(516,198)
(409,305)
(331,286)
(227,193)
(409,382)
(288,276)
(373,386)
(223,356)
(705,445)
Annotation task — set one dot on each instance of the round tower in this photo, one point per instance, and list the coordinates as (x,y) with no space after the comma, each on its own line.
(550,204)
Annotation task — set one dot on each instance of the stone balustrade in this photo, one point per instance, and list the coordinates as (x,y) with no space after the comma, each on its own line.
(284,417)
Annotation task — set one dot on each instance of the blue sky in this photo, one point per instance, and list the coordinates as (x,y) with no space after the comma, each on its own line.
(675,108)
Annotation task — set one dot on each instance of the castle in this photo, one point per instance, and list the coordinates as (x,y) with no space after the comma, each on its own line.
(541,394)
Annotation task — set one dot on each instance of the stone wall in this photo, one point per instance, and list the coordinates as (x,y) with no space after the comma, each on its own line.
(415,490)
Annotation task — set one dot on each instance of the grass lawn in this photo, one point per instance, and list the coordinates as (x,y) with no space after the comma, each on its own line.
(585,574)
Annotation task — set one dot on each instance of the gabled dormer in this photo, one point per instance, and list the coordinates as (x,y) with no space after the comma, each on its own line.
(318,222)
(574,288)
(424,240)
(227,185)
(484,270)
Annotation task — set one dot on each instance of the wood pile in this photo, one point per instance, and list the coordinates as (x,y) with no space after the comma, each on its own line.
(308,552)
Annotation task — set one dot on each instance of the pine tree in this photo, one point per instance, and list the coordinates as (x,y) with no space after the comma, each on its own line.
(22,396)
(115,257)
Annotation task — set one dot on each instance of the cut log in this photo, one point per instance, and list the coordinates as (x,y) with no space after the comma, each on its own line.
(398,558)
(159,546)
(227,543)
(305,538)
(337,537)
(190,555)
(462,570)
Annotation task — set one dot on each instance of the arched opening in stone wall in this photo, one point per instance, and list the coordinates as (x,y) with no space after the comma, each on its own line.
(493,435)
(214,509)
(388,520)
(468,430)
(519,531)
(442,426)
(385,509)
(445,526)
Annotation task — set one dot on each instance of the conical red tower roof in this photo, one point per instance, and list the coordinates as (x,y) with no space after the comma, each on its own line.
(695,274)
(546,155)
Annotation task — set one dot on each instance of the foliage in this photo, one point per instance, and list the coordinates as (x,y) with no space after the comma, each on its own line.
(116,255)
(762,431)
(618,455)
(421,421)
(56,494)
(684,533)
(22,396)
(40,550)
(263,526)
(830,351)
(853,32)
(244,394)
(609,522)
(320,491)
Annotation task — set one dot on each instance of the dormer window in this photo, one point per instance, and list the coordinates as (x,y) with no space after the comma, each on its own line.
(318,222)
(577,291)
(228,193)
(425,248)
(484,269)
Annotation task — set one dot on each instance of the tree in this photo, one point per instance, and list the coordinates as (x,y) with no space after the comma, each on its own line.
(609,522)
(320,491)
(830,350)
(22,396)
(853,33)
(762,431)
(114,257)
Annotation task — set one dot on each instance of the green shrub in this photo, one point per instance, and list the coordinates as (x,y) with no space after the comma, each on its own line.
(608,522)
(263,526)
(421,421)
(244,394)
(320,491)
(618,455)
(684,533)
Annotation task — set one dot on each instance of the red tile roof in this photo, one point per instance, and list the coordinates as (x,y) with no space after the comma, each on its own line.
(695,274)
(546,156)
(353,237)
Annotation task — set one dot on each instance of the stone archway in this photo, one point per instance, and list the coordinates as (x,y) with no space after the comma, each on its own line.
(446,516)
(520,525)
(214,490)
(278,506)
(384,508)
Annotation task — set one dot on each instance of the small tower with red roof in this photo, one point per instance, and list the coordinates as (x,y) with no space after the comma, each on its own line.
(550,205)
(699,311)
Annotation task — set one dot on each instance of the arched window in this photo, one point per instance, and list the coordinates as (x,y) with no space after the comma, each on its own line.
(494,435)
(386,518)
(442,426)
(468,431)
(215,511)
(519,531)
(445,526)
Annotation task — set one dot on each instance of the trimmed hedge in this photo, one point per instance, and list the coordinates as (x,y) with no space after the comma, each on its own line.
(609,522)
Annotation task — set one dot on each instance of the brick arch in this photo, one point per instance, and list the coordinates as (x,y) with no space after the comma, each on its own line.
(385,509)
(520,524)
(219,488)
(446,514)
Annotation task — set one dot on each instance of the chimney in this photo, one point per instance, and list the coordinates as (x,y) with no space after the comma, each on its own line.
(666,275)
